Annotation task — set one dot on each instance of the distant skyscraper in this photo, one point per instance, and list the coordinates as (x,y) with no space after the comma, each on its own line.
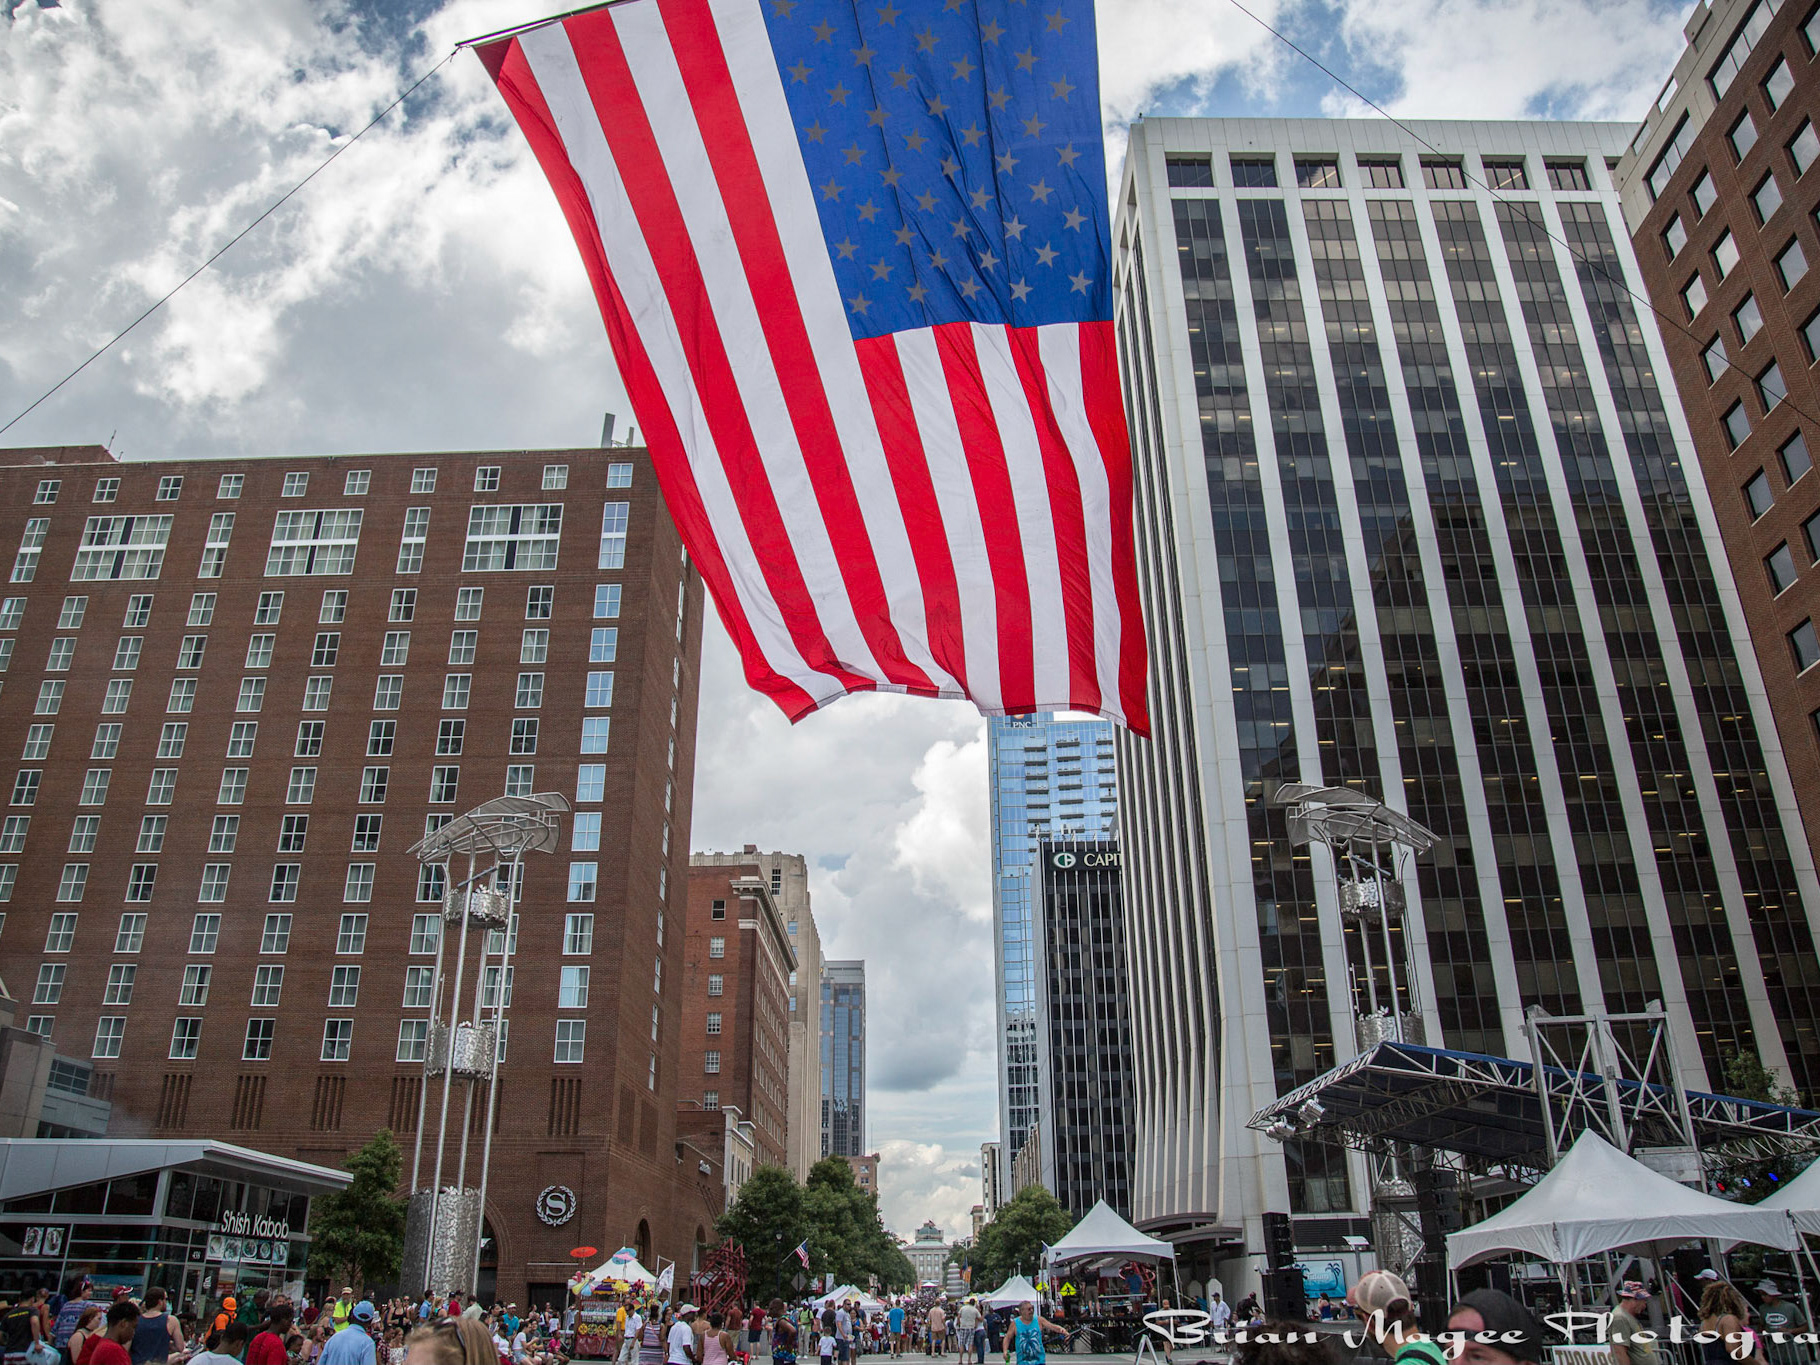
(1084,1052)
(1419,515)
(1051,778)
(843,1058)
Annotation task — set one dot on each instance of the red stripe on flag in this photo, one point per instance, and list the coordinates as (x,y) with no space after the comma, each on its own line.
(696,44)
(998,513)
(890,395)
(1106,414)
(1069,516)
(602,63)
(506,61)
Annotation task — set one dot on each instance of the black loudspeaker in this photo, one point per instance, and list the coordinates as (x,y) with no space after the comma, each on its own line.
(1279,1241)
(1285,1294)
(1486,1275)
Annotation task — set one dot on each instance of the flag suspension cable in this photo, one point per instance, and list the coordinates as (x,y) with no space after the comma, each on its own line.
(229,244)
(1527,209)
(516,29)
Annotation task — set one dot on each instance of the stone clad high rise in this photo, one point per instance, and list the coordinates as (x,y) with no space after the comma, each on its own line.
(1418,514)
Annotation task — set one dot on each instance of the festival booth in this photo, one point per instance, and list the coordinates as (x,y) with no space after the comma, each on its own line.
(849,1293)
(1106,1247)
(1800,1200)
(1597,1200)
(1014,1291)
(598,1294)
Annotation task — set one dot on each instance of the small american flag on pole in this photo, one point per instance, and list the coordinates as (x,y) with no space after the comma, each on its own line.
(802,1252)
(854,262)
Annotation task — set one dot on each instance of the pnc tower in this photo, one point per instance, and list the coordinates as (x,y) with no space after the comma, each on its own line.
(1051,778)
(1418,514)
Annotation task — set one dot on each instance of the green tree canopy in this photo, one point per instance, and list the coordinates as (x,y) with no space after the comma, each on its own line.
(849,1231)
(1013,1241)
(357,1234)
(770,1221)
(1748,1181)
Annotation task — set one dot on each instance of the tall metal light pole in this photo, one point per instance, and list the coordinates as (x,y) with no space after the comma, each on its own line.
(444,1225)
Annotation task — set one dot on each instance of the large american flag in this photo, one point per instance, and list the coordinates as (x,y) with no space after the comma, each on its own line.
(854,260)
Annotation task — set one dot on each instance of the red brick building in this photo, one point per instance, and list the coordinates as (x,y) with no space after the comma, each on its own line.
(237,691)
(736,1003)
(1720,193)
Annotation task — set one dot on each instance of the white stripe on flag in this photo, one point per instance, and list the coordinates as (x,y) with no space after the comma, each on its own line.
(1059,345)
(760,387)
(1035,522)
(927,385)
(759,86)
(552,61)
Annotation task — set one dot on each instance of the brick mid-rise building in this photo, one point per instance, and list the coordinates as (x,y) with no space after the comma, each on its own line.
(736,1003)
(238,691)
(1720,193)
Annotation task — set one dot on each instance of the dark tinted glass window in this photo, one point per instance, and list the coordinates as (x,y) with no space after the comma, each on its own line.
(1382,172)
(1317,172)
(1757,496)
(1568,175)
(1795,459)
(1805,645)
(1737,425)
(1443,175)
(1506,175)
(1779,564)
(1191,172)
(1254,172)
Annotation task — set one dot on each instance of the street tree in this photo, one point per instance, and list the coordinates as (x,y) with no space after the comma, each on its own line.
(1013,1241)
(769,1219)
(849,1230)
(357,1234)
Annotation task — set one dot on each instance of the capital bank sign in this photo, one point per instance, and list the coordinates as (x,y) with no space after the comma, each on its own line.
(1064,861)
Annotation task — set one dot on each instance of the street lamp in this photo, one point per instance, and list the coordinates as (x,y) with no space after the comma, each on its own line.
(444,1224)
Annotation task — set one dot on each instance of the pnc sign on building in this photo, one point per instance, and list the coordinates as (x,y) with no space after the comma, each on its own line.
(1066,861)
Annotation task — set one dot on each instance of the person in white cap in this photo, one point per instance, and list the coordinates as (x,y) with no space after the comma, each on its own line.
(1388,1308)
(1781,1318)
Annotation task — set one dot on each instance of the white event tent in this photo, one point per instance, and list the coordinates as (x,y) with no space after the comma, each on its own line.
(621,1267)
(1799,1199)
(835,1297)
(1598,1199)
(1012,1292)
(1103,1233)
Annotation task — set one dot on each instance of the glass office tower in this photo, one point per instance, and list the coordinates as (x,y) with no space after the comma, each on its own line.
(1417,514)
(843,1025)
(1052,777)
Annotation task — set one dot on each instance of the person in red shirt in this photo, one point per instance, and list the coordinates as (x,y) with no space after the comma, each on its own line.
(268,1347)
(109,1347)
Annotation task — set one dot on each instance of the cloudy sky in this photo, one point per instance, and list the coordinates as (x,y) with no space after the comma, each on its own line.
(422,294)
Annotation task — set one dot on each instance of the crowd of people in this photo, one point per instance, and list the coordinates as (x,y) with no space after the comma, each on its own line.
(84,1326)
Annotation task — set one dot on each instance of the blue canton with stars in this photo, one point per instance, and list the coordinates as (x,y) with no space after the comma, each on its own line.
(954,149)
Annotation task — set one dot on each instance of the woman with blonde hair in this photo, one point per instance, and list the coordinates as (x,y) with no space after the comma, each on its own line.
(452,1341)
(1725,1318)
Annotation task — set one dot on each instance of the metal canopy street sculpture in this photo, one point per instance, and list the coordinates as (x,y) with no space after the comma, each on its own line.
(445,1224)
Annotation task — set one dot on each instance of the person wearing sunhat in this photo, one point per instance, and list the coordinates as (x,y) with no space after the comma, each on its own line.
(1781,1318)
(1632,1340)
(1388,1308)
(1492,1328)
